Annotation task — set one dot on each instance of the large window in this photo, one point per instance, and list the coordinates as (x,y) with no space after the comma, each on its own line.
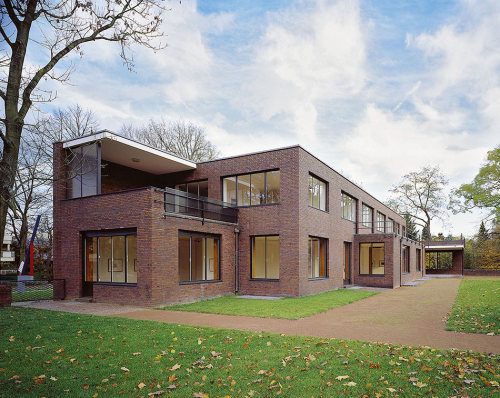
(390,226)
(317,193)
(380,222)
(317,257)
(265,257)
(111,257)
(198,257)
(367,216)
(371,258)
(405,254)
(348,205)
(252,189)
(84,171)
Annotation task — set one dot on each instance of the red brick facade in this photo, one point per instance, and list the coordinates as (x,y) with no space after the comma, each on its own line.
(126,204)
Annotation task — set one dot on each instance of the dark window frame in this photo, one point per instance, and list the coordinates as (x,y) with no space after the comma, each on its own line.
(327,194)
(418,259)
(325,240)
(383,222)
(107,233)
(69,184)
(252,237)
(363,205)
(405,265)
(250,174)
(192,234)
(191,182)
(355,206)
(359,258)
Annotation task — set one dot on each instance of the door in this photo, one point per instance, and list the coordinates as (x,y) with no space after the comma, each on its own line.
(347,263)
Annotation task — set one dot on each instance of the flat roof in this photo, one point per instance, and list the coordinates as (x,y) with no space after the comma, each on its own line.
(126,152)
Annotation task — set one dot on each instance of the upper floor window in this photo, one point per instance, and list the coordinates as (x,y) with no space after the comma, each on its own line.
(84,171)
(252,189)
(380,222)
(390,226)
(367,216)
(317,193)
(396,227)
(348,205)
(198,188)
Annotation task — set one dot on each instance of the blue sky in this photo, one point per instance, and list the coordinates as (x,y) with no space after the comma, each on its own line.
(374,88)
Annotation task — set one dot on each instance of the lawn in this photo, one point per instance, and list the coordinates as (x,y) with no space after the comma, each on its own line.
(287,308)
(477,307)
(61,354)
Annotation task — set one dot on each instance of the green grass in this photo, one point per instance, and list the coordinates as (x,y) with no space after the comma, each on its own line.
(477,307)
(60,354)
(287,308)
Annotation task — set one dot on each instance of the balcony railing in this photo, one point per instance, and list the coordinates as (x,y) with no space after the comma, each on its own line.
(183,203)
(384,227)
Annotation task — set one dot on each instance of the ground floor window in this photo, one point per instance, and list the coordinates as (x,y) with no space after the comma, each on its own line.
(405,254)
(317,257)
(419,260)
(371,259)
(198,257)
(111,258)
(265,257)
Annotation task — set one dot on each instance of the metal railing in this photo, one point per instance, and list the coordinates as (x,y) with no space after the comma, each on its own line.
(34,290)
(180,202)
(384,227)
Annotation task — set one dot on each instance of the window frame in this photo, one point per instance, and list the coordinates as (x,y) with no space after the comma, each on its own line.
(320,180)
(405,265)
(383,222)
(252,238)
(363,206)
(354,206)
(325,243)
(177,186)
(418,259)
(192,234)
(250,175)
(74,152)
(108,233)
(359,258)
(390,222)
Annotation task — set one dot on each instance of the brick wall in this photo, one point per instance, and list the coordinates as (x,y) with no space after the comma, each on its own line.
(5,294)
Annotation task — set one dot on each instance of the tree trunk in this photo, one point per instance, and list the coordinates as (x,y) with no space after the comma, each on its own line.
(8,167)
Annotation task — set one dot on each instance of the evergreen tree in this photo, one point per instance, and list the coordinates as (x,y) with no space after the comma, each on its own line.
(482,235)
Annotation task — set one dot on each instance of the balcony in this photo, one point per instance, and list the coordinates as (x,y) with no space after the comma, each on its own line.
(199,207)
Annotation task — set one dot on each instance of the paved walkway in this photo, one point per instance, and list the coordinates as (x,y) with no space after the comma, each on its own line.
(407,315)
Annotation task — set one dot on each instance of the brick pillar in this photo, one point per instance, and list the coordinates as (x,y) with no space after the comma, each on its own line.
(5,294)
(58,287)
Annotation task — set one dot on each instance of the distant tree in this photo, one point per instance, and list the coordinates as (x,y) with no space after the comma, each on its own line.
(50,30)
(411,228)
(482,235)
(420,194)
(426,235)
(483,192)
(488,254)
(183,139)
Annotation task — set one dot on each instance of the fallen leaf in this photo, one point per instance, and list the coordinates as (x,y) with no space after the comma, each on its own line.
(175,367)
(125,369)
(341,377)
(141,385)
(350,384)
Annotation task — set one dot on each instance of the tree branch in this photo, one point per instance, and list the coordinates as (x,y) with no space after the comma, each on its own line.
(12,15)
(6,38)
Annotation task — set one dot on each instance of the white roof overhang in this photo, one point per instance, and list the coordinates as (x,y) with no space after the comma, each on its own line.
(127,152)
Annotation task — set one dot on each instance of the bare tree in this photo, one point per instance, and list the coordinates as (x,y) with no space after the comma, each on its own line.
(54,29)
(186,140)
(420,195)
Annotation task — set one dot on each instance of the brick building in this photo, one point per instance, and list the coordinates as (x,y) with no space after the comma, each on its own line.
(133,224)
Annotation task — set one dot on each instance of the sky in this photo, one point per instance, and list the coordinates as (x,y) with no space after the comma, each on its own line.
(376,89)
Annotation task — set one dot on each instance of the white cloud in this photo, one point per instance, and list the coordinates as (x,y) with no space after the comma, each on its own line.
(308,54)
